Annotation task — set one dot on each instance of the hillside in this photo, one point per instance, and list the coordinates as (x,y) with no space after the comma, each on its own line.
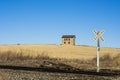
(57,62)
(59,51)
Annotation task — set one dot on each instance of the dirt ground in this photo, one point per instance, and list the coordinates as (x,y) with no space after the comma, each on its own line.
(50,70)
(7,74)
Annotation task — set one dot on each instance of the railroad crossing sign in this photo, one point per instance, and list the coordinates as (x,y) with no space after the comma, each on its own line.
(98,35)
(98,38)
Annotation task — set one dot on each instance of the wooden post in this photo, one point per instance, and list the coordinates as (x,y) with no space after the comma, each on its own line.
(98,55)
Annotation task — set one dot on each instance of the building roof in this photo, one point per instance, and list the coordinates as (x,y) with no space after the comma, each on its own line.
(68,36)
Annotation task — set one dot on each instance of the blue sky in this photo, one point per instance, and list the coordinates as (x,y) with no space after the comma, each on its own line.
(45,21)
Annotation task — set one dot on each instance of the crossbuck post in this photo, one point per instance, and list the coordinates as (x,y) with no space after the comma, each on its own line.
(98,38)
(98,54)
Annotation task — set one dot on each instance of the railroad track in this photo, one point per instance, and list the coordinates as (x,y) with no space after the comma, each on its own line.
(67,69)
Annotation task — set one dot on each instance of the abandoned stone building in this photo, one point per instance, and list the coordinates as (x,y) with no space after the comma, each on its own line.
(68,40)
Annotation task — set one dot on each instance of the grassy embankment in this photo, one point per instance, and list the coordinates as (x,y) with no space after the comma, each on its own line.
(76,56)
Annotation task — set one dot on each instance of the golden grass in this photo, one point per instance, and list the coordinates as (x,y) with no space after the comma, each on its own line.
(59,51)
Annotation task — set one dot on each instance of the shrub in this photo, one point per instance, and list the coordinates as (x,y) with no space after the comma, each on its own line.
(21,55)
(7,55)
(116,61)
(43,55)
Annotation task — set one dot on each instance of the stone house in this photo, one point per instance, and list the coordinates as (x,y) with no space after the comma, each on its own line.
(68,40)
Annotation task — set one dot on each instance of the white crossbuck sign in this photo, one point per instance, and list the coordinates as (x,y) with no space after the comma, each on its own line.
(98,38)
(98,35)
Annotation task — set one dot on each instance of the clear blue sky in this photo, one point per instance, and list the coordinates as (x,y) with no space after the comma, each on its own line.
(45,21)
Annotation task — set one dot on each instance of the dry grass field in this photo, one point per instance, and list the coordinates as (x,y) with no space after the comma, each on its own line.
(59,51)
(76,56)
(20,62)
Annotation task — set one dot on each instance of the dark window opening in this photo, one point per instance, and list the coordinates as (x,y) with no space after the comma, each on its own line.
(68,42)
(64,42)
